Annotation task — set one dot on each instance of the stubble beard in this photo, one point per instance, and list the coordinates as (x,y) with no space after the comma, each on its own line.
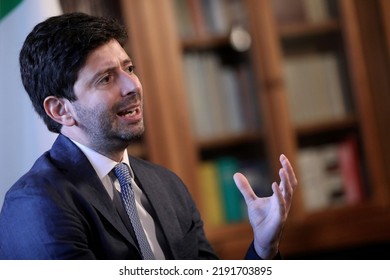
(105,134)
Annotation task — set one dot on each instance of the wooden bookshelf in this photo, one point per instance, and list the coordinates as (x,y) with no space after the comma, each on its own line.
(332,228)
(347,123)
(356,30)
(205,43)
(231,140)
(303,29)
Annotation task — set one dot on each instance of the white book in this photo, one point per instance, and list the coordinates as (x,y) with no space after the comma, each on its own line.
(312,179)
(334,84)
(320,103)
(195,96)
(294,87)
(316,10)
(212,95)
(232,104)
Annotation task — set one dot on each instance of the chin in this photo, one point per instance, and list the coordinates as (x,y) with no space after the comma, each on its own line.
(134,135)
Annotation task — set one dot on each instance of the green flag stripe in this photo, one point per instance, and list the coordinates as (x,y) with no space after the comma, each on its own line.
(6,6)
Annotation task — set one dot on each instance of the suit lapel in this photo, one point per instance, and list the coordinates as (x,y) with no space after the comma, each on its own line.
(154,190)
(79,171)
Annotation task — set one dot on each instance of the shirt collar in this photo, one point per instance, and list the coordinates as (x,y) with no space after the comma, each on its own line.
(102,164)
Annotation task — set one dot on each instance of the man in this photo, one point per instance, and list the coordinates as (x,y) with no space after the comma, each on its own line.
(68,206)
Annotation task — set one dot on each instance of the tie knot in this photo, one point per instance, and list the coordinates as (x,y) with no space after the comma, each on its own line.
(122,171)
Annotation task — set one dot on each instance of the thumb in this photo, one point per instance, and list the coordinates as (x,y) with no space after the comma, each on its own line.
(244,187)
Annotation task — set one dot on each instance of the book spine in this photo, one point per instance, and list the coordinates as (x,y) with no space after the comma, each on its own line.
(350,170)
(232,199)
(211,198)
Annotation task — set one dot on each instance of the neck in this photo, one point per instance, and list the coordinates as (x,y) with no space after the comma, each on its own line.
(114,152)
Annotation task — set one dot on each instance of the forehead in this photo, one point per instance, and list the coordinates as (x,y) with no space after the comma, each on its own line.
(108,55)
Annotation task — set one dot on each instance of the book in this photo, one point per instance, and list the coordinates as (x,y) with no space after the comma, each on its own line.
(216,17)
(314,88)
(291,11)
(294,77)
(320,177)
(200,112)
(230,99)
(316,10)
(197,17)
(249,103)
(332,75)
(331,174)
(311,180)
(333,183)
(317,103)
(211,197)
(183,15)
(221,98)
(351,170)
(214,94)
(233,201)
(236,13)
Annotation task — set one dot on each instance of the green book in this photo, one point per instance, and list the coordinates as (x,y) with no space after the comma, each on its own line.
(233,201)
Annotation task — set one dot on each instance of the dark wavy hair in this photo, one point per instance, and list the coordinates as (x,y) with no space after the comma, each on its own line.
(55,51)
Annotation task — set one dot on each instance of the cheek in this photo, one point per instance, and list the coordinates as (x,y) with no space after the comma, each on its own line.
(91,109)
(99,101)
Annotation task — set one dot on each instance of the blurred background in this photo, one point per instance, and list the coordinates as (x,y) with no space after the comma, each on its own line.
(232,84)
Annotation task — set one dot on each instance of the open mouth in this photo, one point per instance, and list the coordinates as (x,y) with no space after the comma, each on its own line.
(131,114)
(128,112)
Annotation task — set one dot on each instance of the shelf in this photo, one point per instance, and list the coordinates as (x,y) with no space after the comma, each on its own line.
(345,124)
(367,221)
(205,43)
(337,228)
(230,140)
(304,29)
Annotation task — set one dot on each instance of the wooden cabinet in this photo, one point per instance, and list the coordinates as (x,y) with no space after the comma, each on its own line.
(357,26)
(351,36)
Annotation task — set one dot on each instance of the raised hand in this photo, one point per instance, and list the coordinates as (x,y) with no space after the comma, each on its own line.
(268,215)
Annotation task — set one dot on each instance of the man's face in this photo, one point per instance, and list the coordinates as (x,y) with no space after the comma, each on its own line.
(109,106)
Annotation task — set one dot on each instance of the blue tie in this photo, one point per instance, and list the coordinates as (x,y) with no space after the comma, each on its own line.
(121,171)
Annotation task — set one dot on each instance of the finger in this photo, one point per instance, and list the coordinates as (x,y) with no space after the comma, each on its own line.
(244,187)
(284,184)
(285,189)
(290,180)
(279,196)
(285,179)
(289,170)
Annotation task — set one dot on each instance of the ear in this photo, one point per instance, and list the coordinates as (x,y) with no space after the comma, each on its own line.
(59,109)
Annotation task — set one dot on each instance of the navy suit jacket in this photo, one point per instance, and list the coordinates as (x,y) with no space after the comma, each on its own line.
(60,210)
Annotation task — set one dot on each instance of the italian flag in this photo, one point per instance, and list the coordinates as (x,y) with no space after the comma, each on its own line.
(23,136)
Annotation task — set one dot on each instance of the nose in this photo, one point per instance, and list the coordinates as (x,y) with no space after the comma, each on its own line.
(129,84)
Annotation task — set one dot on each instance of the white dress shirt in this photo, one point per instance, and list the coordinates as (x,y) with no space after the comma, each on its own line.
(103,167)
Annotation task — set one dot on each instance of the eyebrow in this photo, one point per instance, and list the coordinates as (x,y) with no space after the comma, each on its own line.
(127,61)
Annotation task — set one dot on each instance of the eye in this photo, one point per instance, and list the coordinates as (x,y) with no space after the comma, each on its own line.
(105,79)
(130,69)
